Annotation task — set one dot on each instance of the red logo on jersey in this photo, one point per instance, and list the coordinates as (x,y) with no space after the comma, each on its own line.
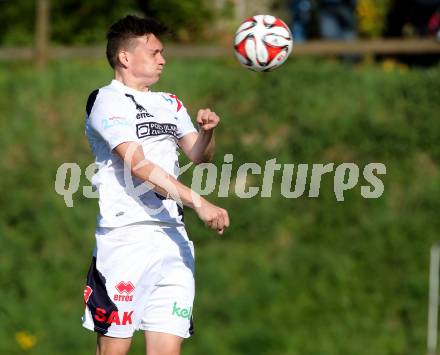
(87,292)
(179,103)
(124,287)
(101,316)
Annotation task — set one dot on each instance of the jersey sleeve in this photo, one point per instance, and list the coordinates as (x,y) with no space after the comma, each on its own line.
(112,119)
(184,123)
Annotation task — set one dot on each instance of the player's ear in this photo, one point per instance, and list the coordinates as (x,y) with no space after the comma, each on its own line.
(123,58)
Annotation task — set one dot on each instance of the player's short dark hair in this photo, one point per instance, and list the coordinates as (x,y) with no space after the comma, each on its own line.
(127,28)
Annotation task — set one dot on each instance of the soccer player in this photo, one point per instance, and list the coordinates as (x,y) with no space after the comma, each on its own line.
(142,271)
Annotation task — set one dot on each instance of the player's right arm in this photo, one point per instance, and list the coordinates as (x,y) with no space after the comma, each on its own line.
(166,185)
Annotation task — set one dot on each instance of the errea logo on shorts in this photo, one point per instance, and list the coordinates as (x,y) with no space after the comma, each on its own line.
(124,289)
(182,312)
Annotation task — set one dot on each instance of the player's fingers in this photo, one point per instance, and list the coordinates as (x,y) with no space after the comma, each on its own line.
(204,120)
(213,118)
(214,224)
(211,121)
(226,218)
(220,222)
(211,222)
(201,116)
(206,113)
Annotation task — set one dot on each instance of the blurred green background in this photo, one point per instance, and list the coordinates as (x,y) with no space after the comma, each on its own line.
(291,276)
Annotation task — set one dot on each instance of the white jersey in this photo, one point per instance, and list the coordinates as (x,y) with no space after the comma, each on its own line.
(156,120)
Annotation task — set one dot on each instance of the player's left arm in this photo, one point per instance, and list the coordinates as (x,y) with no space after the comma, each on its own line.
(199,147)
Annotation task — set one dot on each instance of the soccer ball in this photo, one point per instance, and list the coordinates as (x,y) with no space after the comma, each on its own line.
(262,43)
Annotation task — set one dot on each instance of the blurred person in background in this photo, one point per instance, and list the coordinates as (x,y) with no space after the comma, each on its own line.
(142,271)
(337,19)
(414,19)
(301,14)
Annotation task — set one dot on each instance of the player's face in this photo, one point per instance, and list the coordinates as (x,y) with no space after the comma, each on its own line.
(147,61)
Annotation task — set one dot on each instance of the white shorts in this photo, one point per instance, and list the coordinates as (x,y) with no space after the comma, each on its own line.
(141,277)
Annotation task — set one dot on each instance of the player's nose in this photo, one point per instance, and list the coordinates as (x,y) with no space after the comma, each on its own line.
(161,59)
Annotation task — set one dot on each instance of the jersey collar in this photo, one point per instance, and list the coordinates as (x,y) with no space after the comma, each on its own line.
(125,89)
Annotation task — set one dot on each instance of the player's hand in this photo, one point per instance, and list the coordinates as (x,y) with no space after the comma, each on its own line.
(213,216)
(207,119)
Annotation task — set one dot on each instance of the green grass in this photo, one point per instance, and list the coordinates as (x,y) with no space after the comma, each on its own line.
(291,276)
